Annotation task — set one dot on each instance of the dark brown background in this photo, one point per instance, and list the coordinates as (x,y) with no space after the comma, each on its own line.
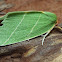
(51,51)
(54,6)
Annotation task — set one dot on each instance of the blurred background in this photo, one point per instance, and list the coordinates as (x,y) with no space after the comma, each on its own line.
(54,6)
(51,51)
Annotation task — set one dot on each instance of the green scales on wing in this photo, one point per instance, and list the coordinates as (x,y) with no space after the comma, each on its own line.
(23,25)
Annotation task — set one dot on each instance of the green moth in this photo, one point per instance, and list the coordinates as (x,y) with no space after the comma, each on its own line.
(19,26)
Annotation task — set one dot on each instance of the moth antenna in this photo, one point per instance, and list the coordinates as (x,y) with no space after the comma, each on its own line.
(60,28)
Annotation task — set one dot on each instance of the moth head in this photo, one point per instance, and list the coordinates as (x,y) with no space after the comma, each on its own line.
(51,15)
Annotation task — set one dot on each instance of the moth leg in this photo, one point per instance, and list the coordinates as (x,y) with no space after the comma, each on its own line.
(28,40)
(59,28)
(45,36)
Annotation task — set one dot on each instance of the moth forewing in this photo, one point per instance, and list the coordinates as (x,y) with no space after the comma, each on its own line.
(22,25)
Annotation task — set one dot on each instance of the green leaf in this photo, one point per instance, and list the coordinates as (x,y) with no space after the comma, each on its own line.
(23,25)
